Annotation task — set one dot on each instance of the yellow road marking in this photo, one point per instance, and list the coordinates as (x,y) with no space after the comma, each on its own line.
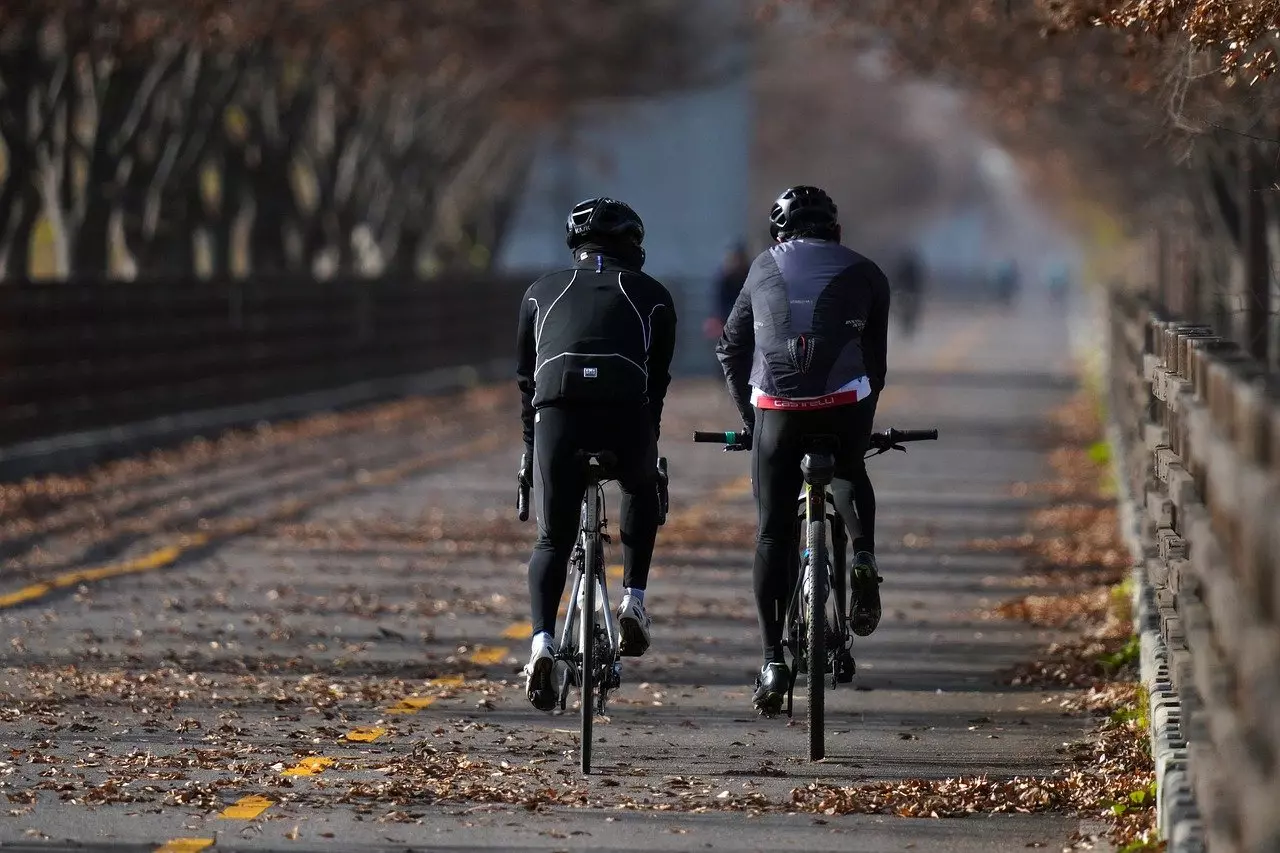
(489,655)
(149,562)
(518,631)
(411,704)
(448,681)
(166,556)
(184,845)
(614,573)
(309,766)
(366,734)
(247,808)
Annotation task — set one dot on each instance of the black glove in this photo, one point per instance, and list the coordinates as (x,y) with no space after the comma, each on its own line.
(525,474)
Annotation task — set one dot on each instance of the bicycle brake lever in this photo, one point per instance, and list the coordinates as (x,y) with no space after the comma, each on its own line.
(899,447)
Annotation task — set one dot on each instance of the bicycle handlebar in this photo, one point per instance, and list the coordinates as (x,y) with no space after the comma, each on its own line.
(881,442)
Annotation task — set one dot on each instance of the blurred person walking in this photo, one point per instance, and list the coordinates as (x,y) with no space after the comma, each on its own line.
(729,281)
(594,350)
(908,286)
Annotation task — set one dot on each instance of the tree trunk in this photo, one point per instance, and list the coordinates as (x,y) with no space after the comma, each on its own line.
(1256,293)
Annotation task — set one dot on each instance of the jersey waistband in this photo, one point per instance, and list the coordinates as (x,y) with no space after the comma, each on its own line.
(850,392)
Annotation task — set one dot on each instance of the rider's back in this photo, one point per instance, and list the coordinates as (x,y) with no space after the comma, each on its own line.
(594,329)
(811,303)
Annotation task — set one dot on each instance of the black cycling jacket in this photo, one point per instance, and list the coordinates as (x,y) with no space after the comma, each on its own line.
(599,332)
(812,319)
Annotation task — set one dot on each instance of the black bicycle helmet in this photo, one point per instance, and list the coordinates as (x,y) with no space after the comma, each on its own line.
(801,210)
(603,219)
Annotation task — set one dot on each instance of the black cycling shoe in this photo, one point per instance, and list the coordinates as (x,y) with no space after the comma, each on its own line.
(866,595)
(771,689)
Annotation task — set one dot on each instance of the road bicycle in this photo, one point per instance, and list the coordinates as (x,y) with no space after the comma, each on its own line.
(816,629)
(587,656)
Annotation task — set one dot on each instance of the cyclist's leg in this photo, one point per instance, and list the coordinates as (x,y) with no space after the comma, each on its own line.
(637,451)
(776,480)
(856,502)
(855,497)
(558,486)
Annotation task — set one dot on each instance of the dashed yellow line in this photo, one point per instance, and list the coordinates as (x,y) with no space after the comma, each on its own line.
(309,766)
(489,655)
(247,808)
(168,555)
(366,734)
(411,704)
(184,845)
(149,562)
(614,573)
(454,680)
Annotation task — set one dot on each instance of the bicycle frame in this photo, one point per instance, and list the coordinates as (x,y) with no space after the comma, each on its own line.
(590,641)
(815,505)
(570,648)
(819,525)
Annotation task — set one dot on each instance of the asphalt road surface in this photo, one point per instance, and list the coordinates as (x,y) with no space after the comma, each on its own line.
(308,639)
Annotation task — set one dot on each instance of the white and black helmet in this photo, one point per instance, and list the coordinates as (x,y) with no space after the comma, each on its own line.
(801,210)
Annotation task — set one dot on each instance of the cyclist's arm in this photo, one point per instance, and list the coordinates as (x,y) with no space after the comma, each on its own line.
(875,336)
(526,364)
(735,350)
(662,347)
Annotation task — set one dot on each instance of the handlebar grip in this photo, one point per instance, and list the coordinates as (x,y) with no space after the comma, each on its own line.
(916,435)
(731,439)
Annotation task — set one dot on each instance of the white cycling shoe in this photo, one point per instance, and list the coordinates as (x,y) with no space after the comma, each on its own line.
(539,686)
(634,623)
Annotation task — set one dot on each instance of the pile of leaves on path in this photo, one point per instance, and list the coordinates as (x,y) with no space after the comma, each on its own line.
(1077,562)
(1107,777)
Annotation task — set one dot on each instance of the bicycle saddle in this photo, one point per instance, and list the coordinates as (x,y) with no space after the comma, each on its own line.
(601,462)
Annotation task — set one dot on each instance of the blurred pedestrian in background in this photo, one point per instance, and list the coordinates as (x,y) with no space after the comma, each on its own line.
(908,284)
(729,280)
(1059,283)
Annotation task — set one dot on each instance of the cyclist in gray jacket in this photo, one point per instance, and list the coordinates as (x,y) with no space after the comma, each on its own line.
(803,353)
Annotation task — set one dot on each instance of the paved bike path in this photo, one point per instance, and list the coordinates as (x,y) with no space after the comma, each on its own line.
(347,677)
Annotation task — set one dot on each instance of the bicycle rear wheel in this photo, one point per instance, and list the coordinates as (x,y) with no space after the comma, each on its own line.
(816,639)
(587,638)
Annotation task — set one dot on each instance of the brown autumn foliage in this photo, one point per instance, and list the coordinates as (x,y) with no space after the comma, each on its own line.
(337,135)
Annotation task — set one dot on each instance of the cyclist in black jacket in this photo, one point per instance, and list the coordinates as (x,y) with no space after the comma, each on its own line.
(594,353)
(804,353)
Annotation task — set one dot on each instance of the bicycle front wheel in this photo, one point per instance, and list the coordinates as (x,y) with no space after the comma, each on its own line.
(587,639)
(816,639)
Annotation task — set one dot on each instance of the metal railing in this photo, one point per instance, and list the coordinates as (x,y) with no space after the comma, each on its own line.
(82,355)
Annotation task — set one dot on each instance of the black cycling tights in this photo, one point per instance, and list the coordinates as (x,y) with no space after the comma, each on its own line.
(559,482)
(776,480)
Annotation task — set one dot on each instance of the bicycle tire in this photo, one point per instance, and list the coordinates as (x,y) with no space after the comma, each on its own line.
(591,554)
(816,640)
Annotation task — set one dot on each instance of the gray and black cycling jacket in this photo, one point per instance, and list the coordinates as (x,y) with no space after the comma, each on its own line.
(810,322)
